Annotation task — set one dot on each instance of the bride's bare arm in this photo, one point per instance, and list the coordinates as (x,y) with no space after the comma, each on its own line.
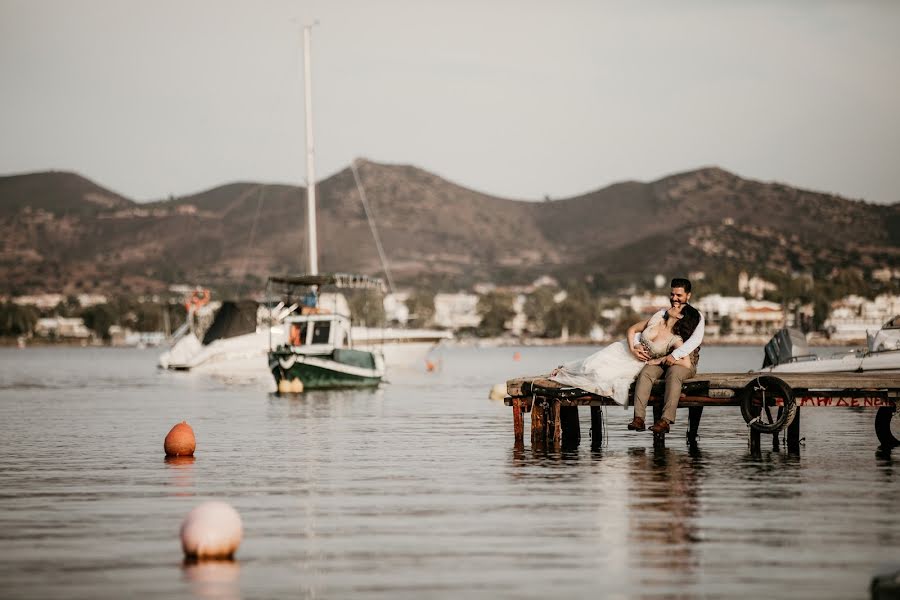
(636,349)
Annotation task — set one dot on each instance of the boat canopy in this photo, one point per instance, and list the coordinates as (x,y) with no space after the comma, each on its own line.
(787,345)
(340,280)
(231,320)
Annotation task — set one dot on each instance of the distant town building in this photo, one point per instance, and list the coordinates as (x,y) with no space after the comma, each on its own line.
(122,336)
(545,281)
(886,274)
(647,304)
(755,287)
(716,306)
(61,327)
(395,309)
(86,300)
(40,301)
(852,316)
(747,317)
(456,311)
(758,317)
(517,324)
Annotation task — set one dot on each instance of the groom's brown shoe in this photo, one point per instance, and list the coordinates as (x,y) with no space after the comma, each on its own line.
(637,424)
(661,426)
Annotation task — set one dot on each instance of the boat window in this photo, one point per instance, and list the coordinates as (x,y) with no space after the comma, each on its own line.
(298,334)
(320,332)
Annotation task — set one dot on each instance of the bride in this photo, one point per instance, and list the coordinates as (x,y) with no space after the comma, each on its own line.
(611,371)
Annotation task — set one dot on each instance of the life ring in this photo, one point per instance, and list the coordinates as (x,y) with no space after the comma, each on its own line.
(197,299)
(757,400)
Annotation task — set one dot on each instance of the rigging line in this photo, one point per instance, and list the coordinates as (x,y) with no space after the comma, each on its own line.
(259,202)
(365,203)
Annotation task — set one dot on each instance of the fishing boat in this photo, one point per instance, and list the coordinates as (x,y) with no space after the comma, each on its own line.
(788,352)
(319,351)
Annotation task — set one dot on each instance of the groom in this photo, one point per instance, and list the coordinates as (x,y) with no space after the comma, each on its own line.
(675,374)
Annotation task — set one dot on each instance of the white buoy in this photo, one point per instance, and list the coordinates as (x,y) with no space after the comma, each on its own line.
(498,391)
(211,530)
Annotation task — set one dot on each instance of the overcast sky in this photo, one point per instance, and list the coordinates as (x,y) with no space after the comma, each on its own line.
(517,99)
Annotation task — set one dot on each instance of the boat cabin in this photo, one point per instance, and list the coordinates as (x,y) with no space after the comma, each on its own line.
(318,334)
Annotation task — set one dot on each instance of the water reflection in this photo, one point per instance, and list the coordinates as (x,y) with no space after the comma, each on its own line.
(663,509)
(213,578)
(181,471)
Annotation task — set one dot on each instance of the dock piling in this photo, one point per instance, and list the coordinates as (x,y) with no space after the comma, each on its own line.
(694,415)
(596,427)
(518,420)
(538,434)
(571,427)
(555,425)
(793,435)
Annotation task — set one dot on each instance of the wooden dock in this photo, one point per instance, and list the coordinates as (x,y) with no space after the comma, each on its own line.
(769,403)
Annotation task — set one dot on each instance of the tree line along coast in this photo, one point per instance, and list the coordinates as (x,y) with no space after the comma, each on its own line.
(744,307)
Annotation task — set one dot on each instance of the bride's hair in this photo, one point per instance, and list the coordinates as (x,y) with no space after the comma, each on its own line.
(690,318)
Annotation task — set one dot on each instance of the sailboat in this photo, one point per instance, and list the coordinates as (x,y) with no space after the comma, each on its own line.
(318,352)
(221,349)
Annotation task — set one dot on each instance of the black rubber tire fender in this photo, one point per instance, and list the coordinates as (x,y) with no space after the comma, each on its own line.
(774,386)
(883,427)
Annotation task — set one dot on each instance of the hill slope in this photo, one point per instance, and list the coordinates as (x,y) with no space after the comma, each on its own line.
(63,232)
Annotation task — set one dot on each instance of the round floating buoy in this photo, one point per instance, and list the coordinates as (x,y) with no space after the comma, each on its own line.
(211,530)
(284,386)
(517,356)
(180,441)
(296,386)
(429,366)
(498,391)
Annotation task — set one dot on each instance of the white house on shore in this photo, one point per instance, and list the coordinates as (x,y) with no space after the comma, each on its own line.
(456,311)
(852,316)
(747,317)
(62,327)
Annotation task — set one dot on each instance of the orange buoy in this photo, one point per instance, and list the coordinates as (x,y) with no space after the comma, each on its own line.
(517,356)
(429,366)
(211,530)
(180,441)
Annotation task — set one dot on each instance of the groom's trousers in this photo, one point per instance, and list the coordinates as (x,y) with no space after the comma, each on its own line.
(675,376)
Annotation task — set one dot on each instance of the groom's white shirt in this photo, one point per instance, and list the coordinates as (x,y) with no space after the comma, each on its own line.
(691,344)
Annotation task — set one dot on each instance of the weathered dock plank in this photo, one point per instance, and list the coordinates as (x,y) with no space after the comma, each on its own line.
(847,382)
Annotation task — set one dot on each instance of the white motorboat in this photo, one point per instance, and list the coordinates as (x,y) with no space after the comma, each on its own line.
(236,341)
(788,352)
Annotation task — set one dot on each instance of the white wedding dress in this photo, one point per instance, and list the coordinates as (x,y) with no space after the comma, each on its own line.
(610,372)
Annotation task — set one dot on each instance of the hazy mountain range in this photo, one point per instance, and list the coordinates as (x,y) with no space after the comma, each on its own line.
(62,232)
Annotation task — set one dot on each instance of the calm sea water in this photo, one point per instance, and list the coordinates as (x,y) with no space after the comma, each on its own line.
(415,490)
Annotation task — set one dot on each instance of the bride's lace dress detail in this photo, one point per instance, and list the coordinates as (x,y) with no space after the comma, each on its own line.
(611,371)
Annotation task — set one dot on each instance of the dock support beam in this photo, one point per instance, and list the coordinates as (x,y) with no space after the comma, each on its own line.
(518,421)
(755,448)
(694,414)
(555,428)
(538,434)
(659,439)
(793,435)
(596,427)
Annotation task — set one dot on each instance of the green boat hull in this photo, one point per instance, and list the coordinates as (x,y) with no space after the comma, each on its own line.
(326,372)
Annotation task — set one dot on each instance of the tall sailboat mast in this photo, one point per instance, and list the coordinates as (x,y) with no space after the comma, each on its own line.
(310,158)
